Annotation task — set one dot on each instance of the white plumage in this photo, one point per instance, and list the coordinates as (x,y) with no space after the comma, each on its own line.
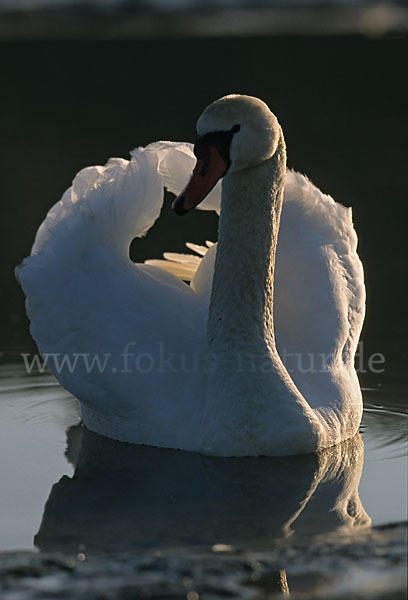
(85,298)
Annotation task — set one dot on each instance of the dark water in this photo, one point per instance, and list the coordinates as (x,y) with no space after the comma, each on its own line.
(341,101)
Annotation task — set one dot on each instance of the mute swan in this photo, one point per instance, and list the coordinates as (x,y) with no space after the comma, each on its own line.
(252,358)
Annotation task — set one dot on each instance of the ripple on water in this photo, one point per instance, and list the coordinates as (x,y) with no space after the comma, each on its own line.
(33,398)
(385,421)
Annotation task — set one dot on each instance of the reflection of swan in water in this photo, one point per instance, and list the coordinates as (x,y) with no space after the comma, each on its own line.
(124,496)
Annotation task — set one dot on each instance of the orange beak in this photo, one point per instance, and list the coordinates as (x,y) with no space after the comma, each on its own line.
(207,172)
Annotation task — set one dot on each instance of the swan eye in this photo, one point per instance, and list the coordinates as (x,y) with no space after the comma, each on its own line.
(201,147)
(221,140)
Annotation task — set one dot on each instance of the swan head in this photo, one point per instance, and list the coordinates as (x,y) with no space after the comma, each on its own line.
(235,133)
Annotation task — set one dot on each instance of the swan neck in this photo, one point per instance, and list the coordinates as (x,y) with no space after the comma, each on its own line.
(241,307)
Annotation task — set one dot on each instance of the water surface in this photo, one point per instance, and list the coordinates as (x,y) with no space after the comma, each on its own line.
(163,497)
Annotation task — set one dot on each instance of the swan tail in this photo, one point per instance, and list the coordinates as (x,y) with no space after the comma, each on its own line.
(197,270)
(183,266)
(184,272)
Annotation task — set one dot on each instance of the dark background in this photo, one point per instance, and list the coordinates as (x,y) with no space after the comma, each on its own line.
(342,102)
